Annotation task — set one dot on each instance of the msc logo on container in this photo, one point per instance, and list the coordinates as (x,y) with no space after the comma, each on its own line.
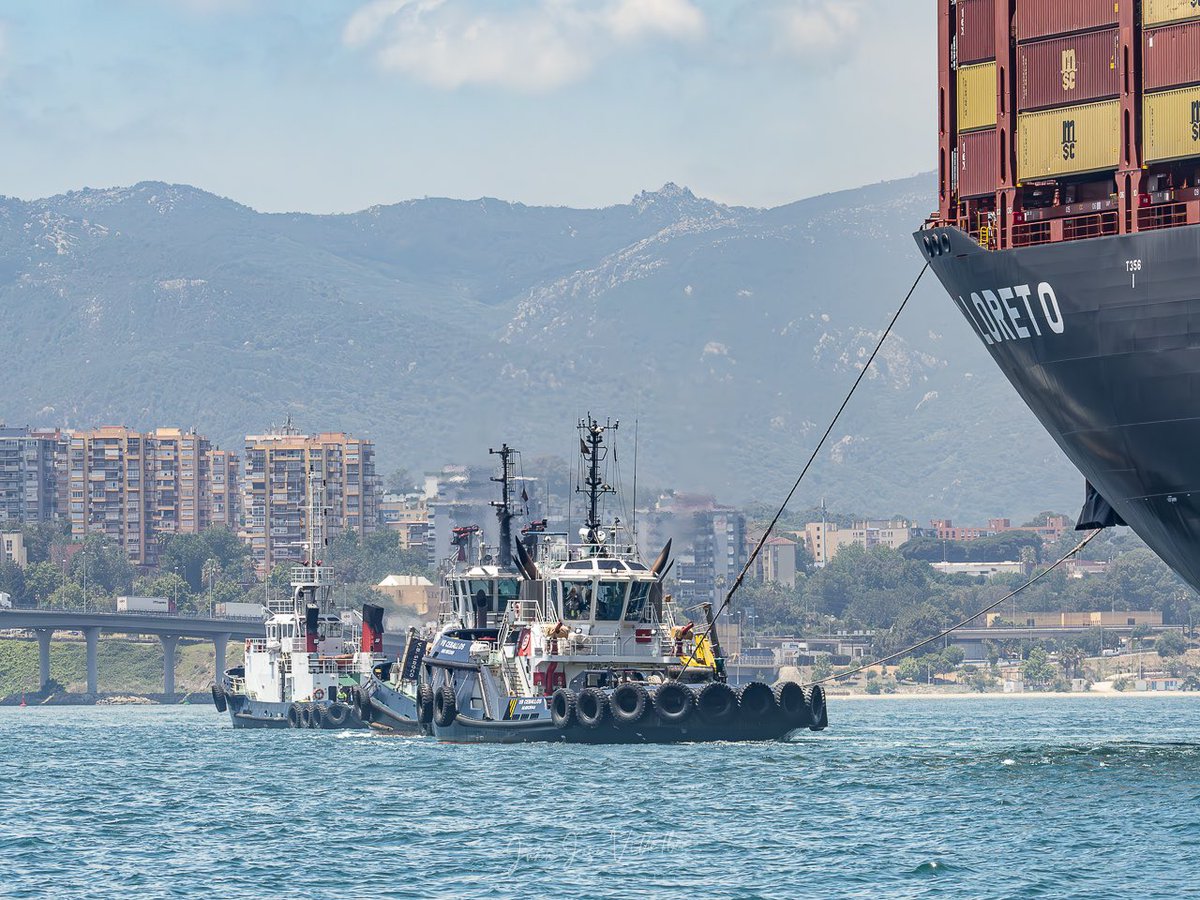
(1196,113)
(1068,139)
(1070,68)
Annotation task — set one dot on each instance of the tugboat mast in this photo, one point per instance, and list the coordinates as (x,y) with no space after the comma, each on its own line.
(503,507)
(591,445)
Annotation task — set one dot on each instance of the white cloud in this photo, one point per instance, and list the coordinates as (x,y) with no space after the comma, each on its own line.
(536,45)
(815,26)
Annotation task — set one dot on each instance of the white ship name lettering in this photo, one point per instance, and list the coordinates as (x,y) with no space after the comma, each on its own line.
(1007,314)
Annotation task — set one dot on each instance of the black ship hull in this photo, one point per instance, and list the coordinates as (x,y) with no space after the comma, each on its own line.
(467,730)
(1101,338)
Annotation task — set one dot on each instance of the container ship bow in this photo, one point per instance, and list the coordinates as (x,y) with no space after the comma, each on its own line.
(1068,235)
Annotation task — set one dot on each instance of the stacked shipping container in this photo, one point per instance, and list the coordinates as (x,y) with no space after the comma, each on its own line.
(1067,60)
(1171,78)
(978,147)
(1059,104)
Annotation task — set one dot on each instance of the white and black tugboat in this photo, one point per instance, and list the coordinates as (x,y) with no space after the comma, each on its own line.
(591,651)
(308,670)
(478,590)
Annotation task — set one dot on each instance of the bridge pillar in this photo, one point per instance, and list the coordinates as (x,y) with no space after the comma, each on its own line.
(169,642)
(92,635)
(43,639)
(219,642)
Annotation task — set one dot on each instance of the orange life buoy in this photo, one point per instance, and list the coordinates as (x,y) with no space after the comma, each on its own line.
(318,694)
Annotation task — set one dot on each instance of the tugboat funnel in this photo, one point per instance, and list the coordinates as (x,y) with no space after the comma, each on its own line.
(372,628)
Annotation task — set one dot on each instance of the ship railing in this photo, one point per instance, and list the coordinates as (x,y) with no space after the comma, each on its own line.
(1080,228)
(311,574)
(1030,234)
(237,685)
(1165,215)
(256,645)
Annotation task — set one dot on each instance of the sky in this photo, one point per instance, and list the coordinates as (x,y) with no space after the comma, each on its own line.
(340,105)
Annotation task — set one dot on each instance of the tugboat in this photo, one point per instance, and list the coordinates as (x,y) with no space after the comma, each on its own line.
(308,671)
(591,651)
(478,593)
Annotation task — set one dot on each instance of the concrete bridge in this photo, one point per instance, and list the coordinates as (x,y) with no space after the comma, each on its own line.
(167,628)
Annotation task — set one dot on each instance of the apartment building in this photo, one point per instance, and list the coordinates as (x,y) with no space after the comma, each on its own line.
(275,492)
(139,488)
(224,482)
(32,475)
(825,539)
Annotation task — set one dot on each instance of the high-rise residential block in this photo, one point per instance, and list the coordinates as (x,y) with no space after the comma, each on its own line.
(276,489)
(139,488)
(32,482)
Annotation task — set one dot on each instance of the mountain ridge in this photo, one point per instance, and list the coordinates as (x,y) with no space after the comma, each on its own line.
(438,327)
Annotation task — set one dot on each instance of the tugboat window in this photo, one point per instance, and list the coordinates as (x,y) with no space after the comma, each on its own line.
(478,585)
(577,600)
(509,590)
(639,593)
(610,601)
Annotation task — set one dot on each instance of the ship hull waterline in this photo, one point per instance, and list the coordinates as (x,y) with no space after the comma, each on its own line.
(1101,339)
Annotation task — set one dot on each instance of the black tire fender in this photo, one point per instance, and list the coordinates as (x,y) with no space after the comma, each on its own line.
(295,716)
(817,711)
(792,703)
(591,707)
(630,703)
(674,703)
(562,708)
(424,704)
(445,706)
(756,701)
(218,695)
(716,702)
(336,715)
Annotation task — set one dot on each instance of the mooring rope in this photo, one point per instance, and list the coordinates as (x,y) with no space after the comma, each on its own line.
(953,628)
(821,443)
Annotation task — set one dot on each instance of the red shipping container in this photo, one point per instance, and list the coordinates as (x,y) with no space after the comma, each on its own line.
(978,163)
(1067,71)
(976,31)
(1171,56)
(1043,18)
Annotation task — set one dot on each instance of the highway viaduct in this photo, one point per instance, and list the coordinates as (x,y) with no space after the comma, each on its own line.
(167,628)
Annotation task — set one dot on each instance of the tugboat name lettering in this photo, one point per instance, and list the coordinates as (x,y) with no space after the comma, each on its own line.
(1012,313)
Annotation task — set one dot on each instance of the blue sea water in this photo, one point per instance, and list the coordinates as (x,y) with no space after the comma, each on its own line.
(1005,798)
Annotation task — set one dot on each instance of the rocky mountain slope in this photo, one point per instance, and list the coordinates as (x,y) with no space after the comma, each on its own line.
(440,327)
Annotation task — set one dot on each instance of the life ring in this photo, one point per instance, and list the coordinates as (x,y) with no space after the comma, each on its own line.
(445,706)
(629,703)
(674,703)
(756,701)
(591,707)
(319,694)
(336,715)
(717,702)
(562,708)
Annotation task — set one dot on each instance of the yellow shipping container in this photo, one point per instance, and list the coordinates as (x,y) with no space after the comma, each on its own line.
(1171,124)
(977,97)
(1159,12)
(1069,140)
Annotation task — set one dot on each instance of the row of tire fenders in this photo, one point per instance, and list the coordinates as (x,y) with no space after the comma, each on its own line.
(672,703)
